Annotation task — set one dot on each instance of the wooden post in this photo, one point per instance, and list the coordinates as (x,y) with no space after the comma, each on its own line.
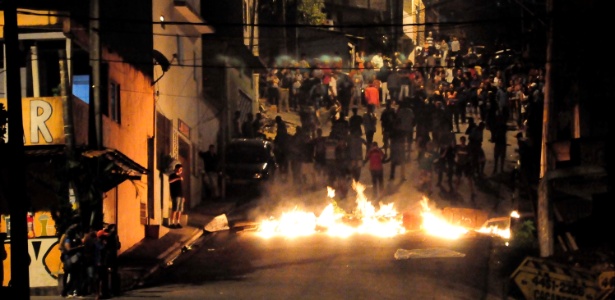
(545,218)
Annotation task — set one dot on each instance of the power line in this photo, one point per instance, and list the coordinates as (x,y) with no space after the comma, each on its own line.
(279,25)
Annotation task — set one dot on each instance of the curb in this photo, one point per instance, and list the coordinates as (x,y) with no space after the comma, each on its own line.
(167,258)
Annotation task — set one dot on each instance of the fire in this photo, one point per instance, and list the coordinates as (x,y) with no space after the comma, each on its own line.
(365,219)
(383,221)
(437,226)
(499,226)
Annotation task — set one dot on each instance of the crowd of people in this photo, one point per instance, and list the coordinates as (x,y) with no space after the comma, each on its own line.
(415,106)
(89,259)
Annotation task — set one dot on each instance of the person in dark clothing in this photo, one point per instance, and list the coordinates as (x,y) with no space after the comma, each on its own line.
(88,285)
(424,114)
(111,285)
(446,162)
(257,125)
(236,129)
(177,196)
(355,122)
(387,119)
(398,154)
(211,162)
(498,137)
(280,149)
(247,130)
(344,91)
(296,155)
(71,248)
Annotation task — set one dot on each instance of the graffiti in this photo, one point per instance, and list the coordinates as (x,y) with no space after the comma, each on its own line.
(45,263)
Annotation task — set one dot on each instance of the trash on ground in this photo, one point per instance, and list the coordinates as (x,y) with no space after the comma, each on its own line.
(218,223)
(426,253)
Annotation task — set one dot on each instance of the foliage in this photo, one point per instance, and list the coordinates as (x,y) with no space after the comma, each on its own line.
(311,12)
(524,234)
(87,176)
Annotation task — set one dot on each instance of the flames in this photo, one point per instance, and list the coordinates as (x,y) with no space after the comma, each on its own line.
(383,221)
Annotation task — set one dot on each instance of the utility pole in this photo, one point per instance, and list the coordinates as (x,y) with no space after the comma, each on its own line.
(18,201)
(545,219)
(69,124)
(95,64)
(95,141)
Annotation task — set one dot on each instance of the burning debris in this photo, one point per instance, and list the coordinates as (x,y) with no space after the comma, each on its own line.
(384,221)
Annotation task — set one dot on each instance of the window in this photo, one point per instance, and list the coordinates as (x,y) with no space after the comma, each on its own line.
(114,102)
(81,87)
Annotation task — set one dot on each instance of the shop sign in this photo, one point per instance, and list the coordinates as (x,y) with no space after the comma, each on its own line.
(43,120)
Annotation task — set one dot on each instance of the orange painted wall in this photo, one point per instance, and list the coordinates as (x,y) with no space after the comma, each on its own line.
(130,138)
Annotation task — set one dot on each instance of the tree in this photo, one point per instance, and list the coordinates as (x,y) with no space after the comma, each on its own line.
(311,12)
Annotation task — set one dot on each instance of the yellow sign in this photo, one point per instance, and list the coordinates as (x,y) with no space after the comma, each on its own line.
(27,17)
(43,120)
(541,279)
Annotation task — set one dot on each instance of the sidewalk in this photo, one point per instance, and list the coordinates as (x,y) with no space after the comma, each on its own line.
(150,255)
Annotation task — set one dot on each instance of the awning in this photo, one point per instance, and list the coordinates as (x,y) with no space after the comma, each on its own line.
(45,168)
(116,167)
(34,153)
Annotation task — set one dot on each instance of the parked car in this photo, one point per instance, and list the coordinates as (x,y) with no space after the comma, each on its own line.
(249,161)
(505,58)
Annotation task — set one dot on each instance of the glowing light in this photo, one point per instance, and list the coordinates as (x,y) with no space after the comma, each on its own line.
(381,221)
(438,226)
(366,219)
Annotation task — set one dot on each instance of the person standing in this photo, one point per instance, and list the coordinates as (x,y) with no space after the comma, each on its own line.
(387,119)
(426,161)
(177,196)
(463,164)
(455,47)
(355,151)
(372,95)
(376,157)
(285,85)
(247,130)
(280,148)
(110,260)
(498,137)
(211,161)
(236,129)
(257,125)
(70,248)
(369,124)
(355,122)
(397,155)
(405,114)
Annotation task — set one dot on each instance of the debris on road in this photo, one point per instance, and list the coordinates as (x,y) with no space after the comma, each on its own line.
(426,253)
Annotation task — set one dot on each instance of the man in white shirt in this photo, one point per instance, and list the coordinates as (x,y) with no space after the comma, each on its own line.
(377,61)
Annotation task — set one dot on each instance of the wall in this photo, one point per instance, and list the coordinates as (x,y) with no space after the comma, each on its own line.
(130,137)
(42,249)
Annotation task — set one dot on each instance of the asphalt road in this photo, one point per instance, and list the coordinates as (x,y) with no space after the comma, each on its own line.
(242,265)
